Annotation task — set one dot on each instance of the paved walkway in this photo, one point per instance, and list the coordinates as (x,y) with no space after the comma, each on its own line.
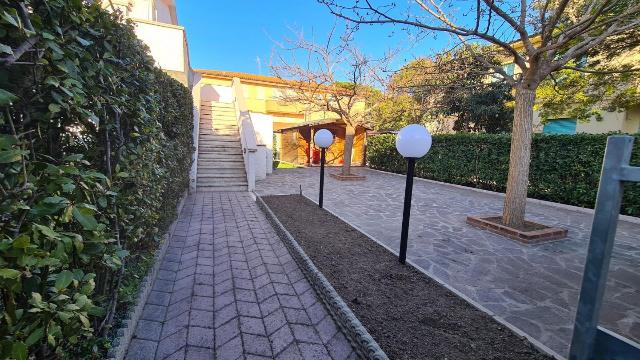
(534,288)
(228,289)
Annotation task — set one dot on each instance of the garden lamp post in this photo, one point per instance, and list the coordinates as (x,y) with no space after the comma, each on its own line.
(413,142)
(323,139)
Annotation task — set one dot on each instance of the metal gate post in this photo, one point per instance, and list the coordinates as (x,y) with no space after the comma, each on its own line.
(587,338)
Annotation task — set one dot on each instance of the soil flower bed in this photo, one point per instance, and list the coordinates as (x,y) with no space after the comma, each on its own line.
(410,315)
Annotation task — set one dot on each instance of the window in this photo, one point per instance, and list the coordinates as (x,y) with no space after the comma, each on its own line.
(560,126)
(510,69)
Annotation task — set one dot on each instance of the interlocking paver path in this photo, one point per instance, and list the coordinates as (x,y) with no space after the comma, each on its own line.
(228,289)
(535,288)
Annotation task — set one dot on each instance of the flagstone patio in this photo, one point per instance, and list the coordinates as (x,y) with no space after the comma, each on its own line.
(534,288)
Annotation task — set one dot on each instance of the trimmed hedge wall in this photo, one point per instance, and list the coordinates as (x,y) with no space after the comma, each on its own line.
(564,168)
(95,151)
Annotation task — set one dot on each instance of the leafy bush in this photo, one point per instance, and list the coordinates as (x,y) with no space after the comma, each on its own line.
(95,147)
(564,168)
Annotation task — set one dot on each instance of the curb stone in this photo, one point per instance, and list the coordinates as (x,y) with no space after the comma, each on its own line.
(363,343)
(124,334)
(535,343)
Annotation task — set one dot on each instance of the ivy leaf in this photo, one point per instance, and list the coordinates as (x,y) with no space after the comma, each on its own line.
(6,98)
(63,279)
(85,218)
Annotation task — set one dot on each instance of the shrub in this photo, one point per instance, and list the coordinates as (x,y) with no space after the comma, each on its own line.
(564,168)
(95,147)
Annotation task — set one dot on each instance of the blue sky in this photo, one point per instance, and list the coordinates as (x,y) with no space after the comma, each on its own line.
(232,34)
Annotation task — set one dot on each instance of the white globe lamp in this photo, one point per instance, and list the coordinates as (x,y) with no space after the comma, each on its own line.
(323,138)
(413,142)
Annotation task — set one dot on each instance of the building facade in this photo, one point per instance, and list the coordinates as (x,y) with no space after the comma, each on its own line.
(156,24)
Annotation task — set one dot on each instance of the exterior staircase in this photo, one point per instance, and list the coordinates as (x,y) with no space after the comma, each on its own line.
(220,160)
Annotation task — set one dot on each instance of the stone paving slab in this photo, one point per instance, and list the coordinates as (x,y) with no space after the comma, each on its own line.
(228,289)
(535,288)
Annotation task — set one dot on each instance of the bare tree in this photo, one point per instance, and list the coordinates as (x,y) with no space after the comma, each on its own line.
(549,34)
(333,77)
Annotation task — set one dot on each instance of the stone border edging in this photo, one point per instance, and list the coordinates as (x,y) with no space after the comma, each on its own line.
(537,344)
(357,334)
(125,332)
(627,218)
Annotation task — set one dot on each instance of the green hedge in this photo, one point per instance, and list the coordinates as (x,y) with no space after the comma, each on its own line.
(564,168)
(95,149)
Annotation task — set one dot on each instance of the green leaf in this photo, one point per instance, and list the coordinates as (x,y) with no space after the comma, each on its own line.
(47,231)
(19,351)
(63,279)
(21,242)
(83,41)
(85,218)
(50,205)
(6,98)
(9,156)
(54,108)
(73,157)
(10,19)
(9,273)
(35,336)
(7,141)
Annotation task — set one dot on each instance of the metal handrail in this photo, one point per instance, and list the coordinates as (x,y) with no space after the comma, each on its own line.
(248,138)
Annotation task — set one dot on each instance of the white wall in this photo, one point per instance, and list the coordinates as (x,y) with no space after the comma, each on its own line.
(217,93)
(263,125)
(166,44)
(141,9)
(163,12)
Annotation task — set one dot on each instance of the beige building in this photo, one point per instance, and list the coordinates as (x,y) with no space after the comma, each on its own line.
(156,23)
(625,121)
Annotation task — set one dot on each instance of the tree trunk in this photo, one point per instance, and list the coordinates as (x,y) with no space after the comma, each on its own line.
(348,149)
(520,158)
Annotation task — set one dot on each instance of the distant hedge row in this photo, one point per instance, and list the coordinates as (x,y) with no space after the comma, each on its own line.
(564,168)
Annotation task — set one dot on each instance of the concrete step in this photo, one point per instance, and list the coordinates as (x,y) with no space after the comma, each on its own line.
(222,156)
(216,103)
(220,150)
(223,172)
(214,114)
(220,131)
(221,161)
(220,128)
(211,137)
(222,188)
(223,175)
(219,144)
(213,165)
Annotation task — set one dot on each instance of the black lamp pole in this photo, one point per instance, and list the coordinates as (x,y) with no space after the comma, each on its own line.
(321,176)
(406,213)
